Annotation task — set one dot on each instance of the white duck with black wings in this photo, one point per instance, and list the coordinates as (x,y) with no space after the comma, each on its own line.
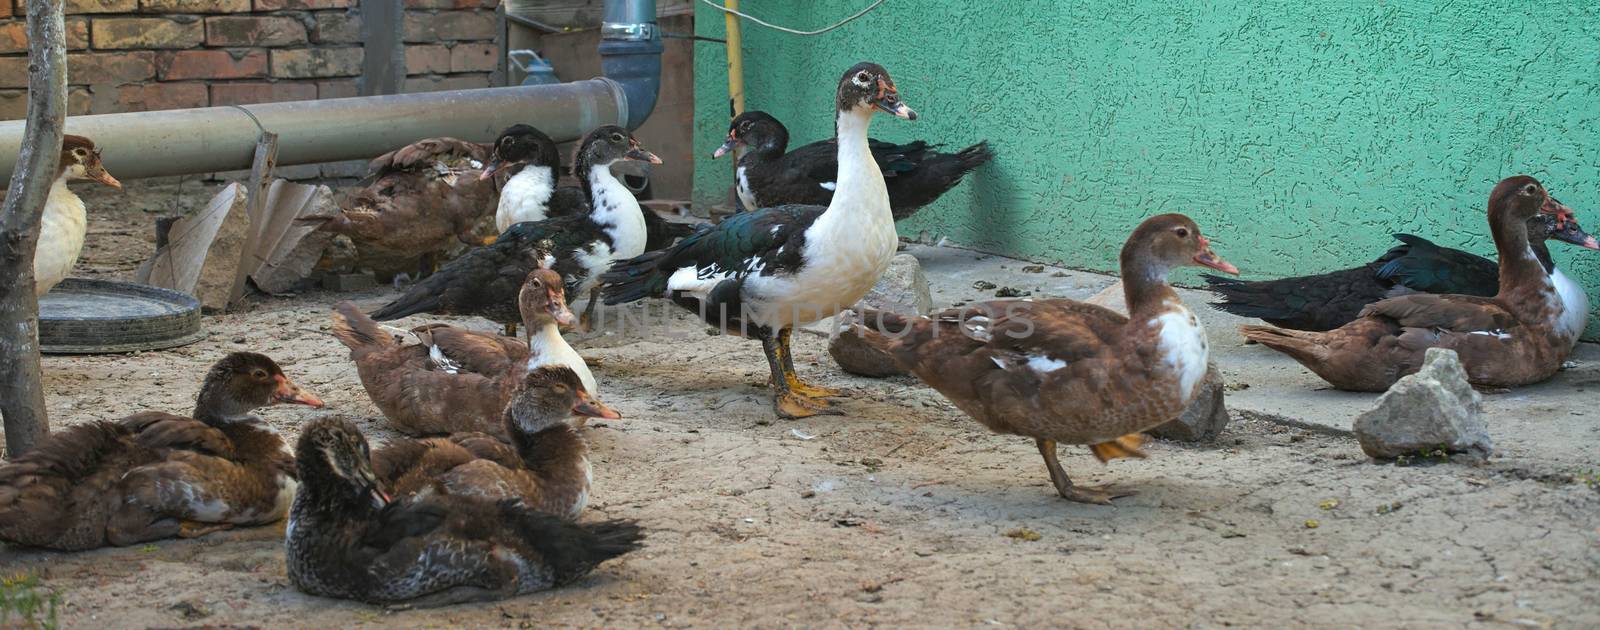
(760,274)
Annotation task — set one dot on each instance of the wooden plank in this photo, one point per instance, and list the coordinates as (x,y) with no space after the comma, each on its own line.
(260,174)
(383,66)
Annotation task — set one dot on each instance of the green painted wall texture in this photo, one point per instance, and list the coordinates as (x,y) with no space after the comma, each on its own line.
(1298,134)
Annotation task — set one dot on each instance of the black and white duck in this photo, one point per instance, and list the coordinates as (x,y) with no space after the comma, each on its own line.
(527,158)
(348,539)
(915,173)
(761,273)
(1327,301)
(485,280)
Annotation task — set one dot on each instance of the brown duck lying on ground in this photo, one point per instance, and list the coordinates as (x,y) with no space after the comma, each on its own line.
(420,200)
(1065,371)
(1514,338)
(457,380)
(347,539)
(154,475)
(546,466)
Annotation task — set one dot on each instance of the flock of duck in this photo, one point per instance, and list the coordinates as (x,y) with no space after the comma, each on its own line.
(483,500)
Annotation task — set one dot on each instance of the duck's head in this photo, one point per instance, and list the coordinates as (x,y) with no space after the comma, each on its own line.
(245,381)
(336,464)
(549,395)
(542,300)
(1520,196)
(754,129)
(1544,226)
(866,86)
(81,160)
(521,145)
(610,144)
(1168,241)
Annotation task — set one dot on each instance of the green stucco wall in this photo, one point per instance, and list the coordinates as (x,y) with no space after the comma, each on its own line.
(1298,134)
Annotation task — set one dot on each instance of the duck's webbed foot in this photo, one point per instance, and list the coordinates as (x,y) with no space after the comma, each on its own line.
(196,529)
(791,402)
(1099,495)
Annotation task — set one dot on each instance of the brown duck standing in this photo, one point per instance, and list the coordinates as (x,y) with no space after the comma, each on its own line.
(1065,371)
(1514,338)
(546,466)
(154,475)
(458,380)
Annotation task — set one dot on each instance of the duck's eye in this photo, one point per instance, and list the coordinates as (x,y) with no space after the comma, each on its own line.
(1182,232)
(536,284)
(616,137)
(80,152)
(259,373)
(863,78)
(559,389)
(1531,189)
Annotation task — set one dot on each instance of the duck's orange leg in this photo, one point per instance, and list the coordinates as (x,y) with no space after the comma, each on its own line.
(1125,446)
(795,384)
(1101,495)
(785,400)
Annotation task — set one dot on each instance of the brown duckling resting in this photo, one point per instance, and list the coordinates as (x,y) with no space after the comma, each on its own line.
(420,200)
(1065,371)
(457,380)
(1514,338)
(546,466)
(154,475)
(347,539)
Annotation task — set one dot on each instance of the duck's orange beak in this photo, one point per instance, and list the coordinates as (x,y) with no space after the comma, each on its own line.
(290,393)
(1208,258)
(589,407)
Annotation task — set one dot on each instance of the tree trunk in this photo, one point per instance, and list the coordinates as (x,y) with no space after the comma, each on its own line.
(21,388)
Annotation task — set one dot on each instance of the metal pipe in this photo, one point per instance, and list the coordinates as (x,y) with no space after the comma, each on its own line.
(211,139)
(630,52)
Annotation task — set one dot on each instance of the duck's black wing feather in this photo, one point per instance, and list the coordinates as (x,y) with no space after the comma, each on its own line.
(931,174)
(1424,267)
(485,280)
(766,241)
(1320,302)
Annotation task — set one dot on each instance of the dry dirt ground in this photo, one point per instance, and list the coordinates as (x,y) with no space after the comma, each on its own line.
(903,512)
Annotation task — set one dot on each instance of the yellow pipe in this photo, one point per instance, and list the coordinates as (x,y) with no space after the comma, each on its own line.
(735,58)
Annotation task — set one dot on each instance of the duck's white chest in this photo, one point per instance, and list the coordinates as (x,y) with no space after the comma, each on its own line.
(61,234)
(746,196)
(549,348)
(525,197)
(1182,345)
(1574,306)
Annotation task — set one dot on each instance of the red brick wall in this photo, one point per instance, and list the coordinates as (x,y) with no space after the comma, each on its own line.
(139,55)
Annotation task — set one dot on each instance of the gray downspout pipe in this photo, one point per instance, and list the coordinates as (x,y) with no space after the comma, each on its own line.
(630,53)
(212,139)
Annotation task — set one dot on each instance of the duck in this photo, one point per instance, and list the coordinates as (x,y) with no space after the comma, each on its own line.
(459,380)
(65,222)
(533,166)
(532,195)
(155,475)
(915,173)
(417,204)
(759,274)
(1062,371)
(485,280)
(546,466)
(348,538)
(1511,339)
(1327,301)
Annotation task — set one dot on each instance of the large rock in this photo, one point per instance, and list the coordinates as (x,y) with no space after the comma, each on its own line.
(1433,409)
(1207,416)
(903,289)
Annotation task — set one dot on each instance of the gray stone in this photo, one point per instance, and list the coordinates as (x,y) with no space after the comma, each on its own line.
(203,254)
(1205,418)
(902,289)
(1433,409)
